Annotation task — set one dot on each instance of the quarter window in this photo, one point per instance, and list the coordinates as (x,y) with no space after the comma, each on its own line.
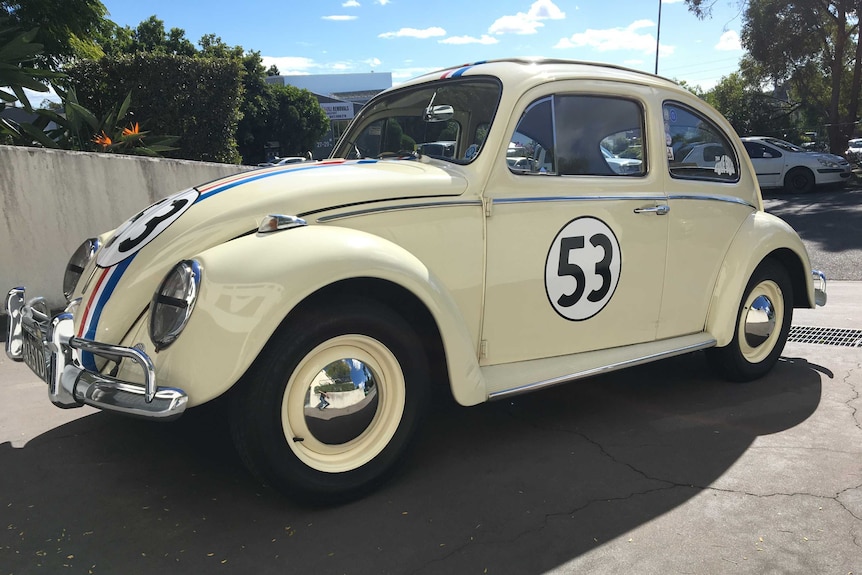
(579,135)
(696,148)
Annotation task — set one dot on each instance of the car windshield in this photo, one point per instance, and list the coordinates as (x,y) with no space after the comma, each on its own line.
(786,146)
(446,119)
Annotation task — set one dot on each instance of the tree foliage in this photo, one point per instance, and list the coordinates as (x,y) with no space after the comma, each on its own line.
(809,51)
(266,113)
(66,28)
(195,99)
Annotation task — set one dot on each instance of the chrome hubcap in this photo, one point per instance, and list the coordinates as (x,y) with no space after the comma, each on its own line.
(759,321)
(341,401)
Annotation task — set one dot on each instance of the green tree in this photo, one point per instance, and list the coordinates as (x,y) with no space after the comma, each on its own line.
(296,120)
(750,110)
(796,44)
(67,28)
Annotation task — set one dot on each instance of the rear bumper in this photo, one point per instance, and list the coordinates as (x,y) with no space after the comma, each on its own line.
(819,279)
(48,346)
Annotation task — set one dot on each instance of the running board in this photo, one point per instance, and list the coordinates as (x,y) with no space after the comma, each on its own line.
(506,380)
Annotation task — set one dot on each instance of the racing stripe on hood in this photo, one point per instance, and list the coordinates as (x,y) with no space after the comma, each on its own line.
(105,286)
(110,276)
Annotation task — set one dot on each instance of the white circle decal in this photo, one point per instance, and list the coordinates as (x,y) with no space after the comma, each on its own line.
(145,227)
(583,268)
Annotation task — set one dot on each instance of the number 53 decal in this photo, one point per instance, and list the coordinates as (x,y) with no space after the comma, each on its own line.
(583,268)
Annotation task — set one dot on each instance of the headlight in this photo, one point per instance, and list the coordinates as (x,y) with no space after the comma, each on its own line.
(827,163)
(76,265)
(173,303)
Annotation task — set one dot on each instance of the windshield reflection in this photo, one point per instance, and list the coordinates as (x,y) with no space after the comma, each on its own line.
(447,120)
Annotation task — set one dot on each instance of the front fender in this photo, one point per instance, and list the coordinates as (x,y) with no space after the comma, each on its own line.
(250,284)
(761,235)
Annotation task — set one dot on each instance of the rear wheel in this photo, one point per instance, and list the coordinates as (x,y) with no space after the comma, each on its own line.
(762,325)
(800,180)
(329,407)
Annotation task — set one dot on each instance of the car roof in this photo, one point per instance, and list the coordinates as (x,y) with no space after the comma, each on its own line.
(540,70)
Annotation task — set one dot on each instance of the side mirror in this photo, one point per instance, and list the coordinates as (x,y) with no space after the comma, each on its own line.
(438,113)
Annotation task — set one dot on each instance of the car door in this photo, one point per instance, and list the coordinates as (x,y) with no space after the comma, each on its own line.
(575,251)
(768,163)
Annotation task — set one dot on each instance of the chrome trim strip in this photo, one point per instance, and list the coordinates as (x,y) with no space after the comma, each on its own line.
(544,199)
(712,198)
(599,370)
(644,197)
(381,209)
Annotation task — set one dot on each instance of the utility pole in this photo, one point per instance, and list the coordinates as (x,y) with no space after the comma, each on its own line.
(657,36)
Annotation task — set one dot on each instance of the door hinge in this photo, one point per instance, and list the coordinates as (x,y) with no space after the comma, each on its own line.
(483,349)
(489,204)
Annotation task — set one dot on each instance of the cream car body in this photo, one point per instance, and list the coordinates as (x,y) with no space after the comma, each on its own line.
(500,280)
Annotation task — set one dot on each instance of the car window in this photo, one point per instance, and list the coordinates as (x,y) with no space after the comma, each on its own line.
(579,135)
(697,148)
(756,151)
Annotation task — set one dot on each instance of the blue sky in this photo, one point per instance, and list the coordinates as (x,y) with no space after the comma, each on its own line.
(408,38)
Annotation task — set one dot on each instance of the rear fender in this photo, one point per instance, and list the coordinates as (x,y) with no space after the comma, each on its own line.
(761,236)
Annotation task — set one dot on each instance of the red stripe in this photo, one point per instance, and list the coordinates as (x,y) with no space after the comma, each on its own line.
(90,302)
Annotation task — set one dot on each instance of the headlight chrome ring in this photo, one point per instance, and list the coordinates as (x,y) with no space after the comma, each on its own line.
(77,263)
(174,302)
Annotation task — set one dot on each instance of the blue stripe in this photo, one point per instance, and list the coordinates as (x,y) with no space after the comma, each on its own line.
(275,173)
(86,357)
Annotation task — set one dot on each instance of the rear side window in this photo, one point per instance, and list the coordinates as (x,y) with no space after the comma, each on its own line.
(579,135)
(696,148)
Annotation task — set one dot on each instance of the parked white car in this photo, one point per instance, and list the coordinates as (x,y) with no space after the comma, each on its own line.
(854,151)
(780,164)
(326,300)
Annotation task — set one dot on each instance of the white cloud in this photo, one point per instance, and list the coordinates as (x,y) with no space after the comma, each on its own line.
(414,33)
(290,65)
(459,40)
(627,38)
(383,2)
(530,22)
(339,18)
(372,62)
(350,4)
(729,41)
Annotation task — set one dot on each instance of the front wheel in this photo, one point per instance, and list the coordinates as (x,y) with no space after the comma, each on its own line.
(329,407)
(799,180)
(762,326)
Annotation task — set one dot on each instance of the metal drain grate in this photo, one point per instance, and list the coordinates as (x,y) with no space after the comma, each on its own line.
(826,336)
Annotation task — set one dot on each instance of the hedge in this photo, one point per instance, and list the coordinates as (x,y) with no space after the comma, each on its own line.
(196,99)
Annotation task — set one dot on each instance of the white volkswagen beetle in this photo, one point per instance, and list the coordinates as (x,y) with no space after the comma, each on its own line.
(327,299)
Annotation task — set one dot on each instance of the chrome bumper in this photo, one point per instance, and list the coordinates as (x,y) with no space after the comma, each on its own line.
(50,355)
(819,279)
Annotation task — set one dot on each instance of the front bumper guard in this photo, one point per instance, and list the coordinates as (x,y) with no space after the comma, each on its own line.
(69,384)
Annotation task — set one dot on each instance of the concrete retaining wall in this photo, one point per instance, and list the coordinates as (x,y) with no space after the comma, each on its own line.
(53,200)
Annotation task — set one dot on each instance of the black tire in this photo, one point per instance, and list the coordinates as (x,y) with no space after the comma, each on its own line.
(750,355)
(799,180)
(339,451)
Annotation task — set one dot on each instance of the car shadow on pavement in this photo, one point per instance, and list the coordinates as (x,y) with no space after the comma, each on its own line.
(516,486)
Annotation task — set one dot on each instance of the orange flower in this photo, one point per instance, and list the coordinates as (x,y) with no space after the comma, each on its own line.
(131,130)
(102,139)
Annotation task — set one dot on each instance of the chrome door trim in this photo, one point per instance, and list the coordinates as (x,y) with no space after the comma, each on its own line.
(712,198)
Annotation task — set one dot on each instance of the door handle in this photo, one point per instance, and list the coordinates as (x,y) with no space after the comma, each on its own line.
(657,210)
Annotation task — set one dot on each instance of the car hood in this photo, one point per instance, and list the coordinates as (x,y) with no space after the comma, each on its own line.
(141,251)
